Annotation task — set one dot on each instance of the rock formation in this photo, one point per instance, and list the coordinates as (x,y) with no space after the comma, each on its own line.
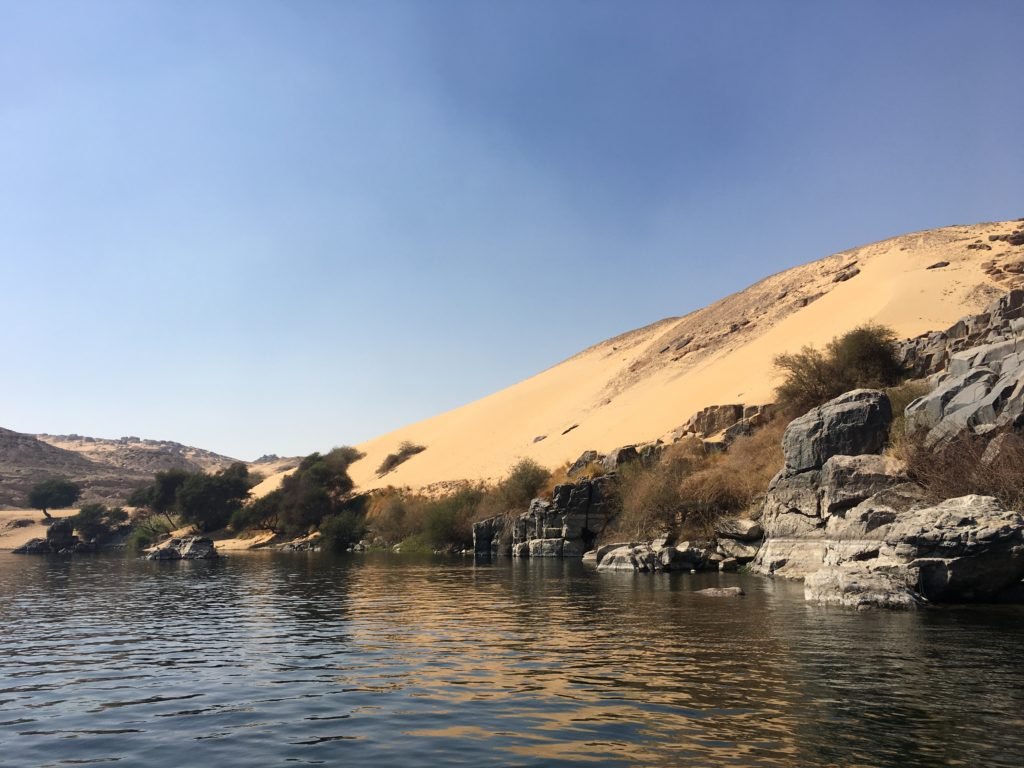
(849,522)
(566,526)
(185,548)
(60,540)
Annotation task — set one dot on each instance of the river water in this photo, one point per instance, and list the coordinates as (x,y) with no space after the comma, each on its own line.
(273,659)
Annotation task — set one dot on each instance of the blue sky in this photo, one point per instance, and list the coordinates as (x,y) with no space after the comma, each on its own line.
(281,226)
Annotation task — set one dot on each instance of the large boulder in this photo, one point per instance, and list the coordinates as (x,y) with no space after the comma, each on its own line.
(964,549)
(185,548)
(715,418)
(846,481)
(686,556)
(620,456)
(863,586)
(852,424)
(33,547)
(547,547)
(586,459)
(483,535)
(739,528)
(61,536)
(638,557)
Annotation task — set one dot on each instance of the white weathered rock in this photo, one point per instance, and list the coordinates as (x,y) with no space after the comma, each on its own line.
(740,528)
(186,548)
(863,586)
(546,547)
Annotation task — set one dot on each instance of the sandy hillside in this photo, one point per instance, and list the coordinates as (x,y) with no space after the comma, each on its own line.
(641,385)
(19,526)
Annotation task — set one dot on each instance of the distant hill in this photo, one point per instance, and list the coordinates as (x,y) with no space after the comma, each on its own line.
(642,385)
(107,469)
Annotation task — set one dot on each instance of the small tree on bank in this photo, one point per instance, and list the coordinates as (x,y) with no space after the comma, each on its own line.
(53,494)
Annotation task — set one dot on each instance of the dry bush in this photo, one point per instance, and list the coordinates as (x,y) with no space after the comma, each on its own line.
(961,467)
(391,516)
(405,451)
(900,397)
(649,501)
(734,481)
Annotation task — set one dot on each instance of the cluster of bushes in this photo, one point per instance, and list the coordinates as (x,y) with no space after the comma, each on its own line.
(428,523)
(206,501)
(317,496)
(864,357)
(690,488)
(405,451)
(98,523)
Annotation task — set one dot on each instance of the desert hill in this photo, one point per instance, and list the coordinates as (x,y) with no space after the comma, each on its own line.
(107,469)
(642,385)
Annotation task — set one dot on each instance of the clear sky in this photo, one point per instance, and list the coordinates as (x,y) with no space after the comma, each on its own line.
(264,226)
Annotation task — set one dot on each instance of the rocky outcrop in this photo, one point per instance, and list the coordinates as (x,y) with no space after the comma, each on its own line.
(566,526)
(851,424)
(730,421)
(863,586)
(931,352)
(60,540)
(983,391)
(620,456)
(648,557)
(961,550)
(185,548)
(831,468)
(849,522)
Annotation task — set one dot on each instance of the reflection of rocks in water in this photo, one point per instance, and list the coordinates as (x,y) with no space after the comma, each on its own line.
(532,662)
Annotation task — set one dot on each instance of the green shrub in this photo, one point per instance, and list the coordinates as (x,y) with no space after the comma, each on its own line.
(863,357)
(526,478)
(209,501)
(147,529)
(447,522)
(262,514)
(416,544)
(342,530)
(95,522)
(405,451)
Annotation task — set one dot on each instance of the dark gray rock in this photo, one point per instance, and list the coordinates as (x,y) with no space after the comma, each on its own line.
(620,456)
(852,424)
(34,547)
(715,418)
(846,481)
(585,459)
(61,536)
(547,547)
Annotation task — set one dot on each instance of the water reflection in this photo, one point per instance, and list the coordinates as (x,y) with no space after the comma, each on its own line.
(273,658)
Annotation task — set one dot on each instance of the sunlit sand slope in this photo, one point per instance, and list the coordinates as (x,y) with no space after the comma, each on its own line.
(641,385)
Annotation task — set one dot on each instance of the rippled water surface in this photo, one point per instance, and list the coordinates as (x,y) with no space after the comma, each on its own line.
(270,659)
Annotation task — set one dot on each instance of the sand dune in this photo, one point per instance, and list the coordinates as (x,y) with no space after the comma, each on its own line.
(19,526)
(641,385)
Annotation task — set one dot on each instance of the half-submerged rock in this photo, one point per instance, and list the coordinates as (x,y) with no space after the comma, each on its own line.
(186,548)
(722,592)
